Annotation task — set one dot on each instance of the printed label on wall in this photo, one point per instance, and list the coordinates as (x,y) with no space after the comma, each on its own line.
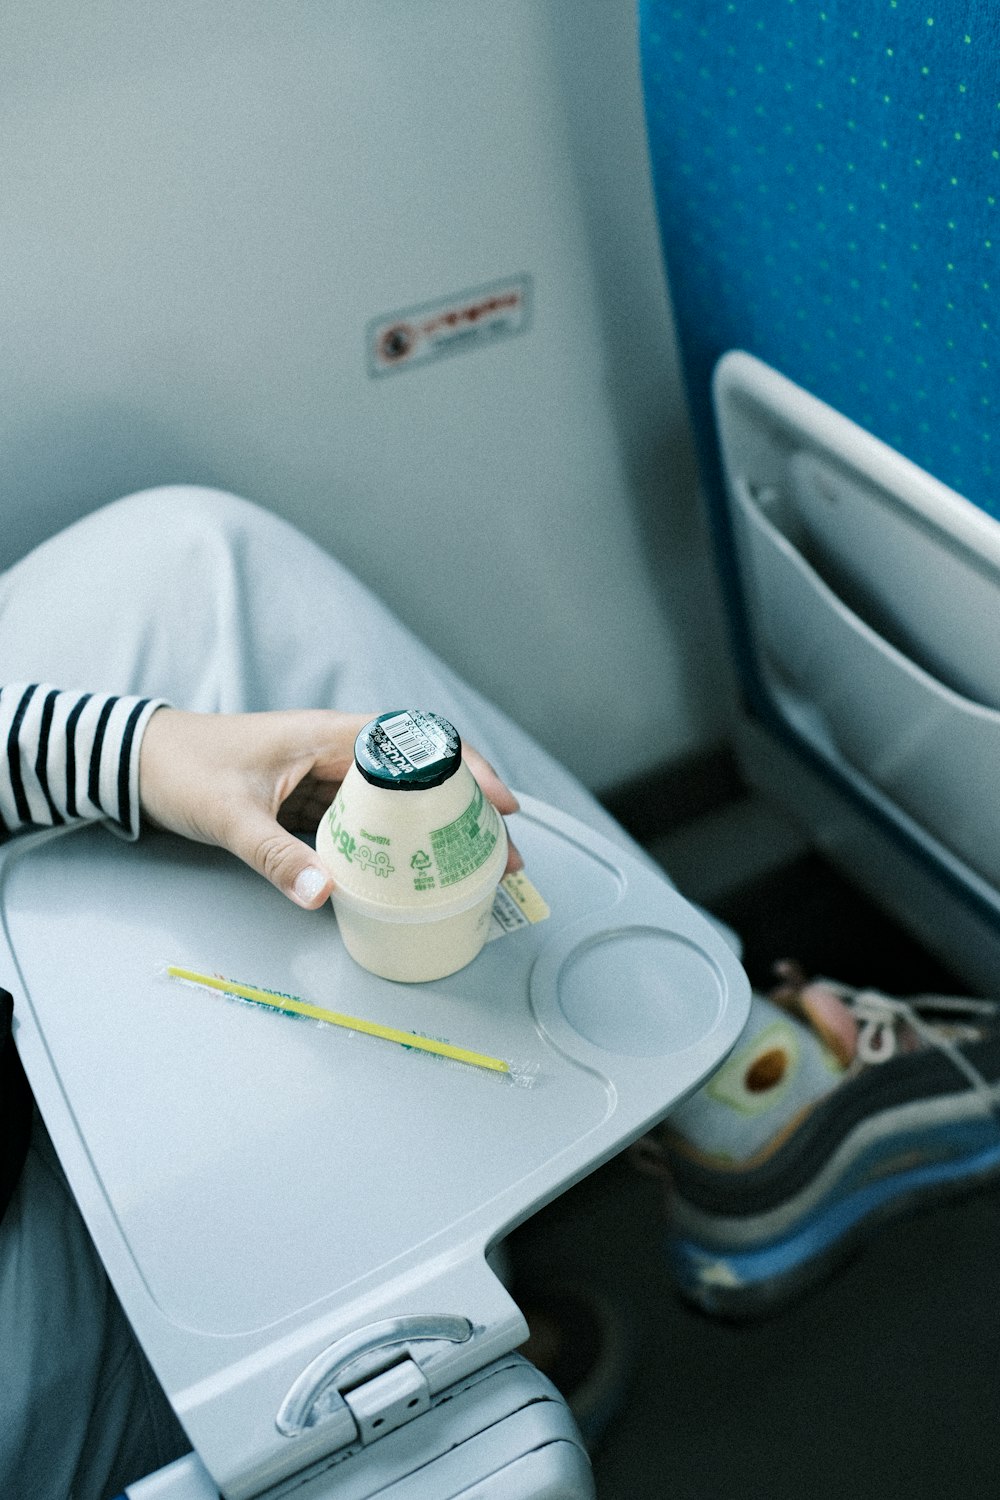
(469,320)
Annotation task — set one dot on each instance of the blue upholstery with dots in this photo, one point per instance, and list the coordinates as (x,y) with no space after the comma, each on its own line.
(827,180)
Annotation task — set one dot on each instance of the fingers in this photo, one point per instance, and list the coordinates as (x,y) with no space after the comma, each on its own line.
(293,867)
(234,780)
(514,860)
(499,793)
(284,860)
(310,888)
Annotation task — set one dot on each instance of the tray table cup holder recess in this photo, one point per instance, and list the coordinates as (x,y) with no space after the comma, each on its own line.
(278,1200)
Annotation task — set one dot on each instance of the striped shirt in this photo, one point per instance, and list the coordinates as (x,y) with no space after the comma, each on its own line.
(68,757)
(65,757)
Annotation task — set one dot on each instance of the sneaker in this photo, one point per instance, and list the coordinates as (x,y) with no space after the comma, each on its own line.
(838,1109)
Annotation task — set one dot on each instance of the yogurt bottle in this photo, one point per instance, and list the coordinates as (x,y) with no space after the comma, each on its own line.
(415,848)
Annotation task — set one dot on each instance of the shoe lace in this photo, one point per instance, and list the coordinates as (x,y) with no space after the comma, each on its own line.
(881,1016)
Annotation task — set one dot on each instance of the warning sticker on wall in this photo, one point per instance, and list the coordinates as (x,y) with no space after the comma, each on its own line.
(469,320)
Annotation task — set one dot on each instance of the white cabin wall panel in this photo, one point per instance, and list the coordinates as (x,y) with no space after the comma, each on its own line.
(205,205)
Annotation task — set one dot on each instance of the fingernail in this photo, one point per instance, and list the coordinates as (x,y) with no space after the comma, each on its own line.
(308,884)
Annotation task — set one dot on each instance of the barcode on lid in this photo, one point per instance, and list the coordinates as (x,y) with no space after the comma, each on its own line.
(410,740)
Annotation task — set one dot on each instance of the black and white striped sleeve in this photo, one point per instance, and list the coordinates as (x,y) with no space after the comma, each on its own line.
(69,757)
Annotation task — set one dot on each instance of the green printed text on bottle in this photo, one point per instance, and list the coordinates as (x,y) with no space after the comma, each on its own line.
(462,846)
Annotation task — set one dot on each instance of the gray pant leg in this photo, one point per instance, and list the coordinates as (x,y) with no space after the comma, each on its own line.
(215,604)
(81,1414)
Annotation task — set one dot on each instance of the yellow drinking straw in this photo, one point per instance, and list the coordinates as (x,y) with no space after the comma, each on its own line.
(334,1018)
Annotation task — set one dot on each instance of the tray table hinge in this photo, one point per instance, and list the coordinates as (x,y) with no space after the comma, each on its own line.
(388,1400)
(370,1379)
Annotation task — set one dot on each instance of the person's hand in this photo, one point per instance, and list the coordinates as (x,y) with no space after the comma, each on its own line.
(243,781)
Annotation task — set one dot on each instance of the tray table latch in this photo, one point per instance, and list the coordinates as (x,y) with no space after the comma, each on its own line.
(386,1401)
(372,1379)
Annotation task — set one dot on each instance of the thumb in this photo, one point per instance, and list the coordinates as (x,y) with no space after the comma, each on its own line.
(284,860)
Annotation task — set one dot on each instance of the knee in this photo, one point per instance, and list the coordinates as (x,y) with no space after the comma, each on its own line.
(175,515)
(187,533)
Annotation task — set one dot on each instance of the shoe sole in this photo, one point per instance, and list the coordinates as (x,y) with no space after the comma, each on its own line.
(755,1282)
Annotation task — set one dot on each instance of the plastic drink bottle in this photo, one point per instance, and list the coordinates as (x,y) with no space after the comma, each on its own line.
(415,848)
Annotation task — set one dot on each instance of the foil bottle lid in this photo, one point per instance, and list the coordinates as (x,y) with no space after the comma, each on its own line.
(408,750)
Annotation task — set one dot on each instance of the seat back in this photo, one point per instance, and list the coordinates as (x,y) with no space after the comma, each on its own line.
(827,187)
